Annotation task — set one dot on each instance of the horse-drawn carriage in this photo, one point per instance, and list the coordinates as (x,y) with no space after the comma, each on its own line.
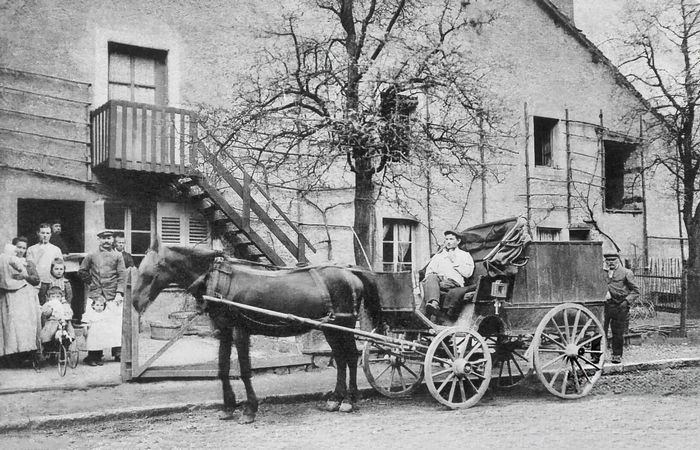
(535,307)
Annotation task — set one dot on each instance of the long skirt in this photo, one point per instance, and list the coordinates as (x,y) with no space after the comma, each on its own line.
(20,321)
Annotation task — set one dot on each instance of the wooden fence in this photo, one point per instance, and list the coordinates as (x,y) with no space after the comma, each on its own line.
(659,281)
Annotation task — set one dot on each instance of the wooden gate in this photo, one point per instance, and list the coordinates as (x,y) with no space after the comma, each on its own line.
(132,368)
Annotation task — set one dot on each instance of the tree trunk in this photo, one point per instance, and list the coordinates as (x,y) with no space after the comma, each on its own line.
(364,215)
(693,271)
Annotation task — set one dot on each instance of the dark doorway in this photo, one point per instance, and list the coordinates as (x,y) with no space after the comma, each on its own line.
(32,212)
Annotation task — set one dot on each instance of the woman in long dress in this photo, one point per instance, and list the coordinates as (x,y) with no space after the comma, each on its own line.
(20,314)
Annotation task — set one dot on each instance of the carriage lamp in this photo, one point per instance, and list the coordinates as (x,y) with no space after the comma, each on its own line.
(499,289)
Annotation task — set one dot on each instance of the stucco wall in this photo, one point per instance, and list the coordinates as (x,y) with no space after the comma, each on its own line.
(530,60)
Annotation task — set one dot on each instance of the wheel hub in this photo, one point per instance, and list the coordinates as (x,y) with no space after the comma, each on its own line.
(461,367)
(572,351)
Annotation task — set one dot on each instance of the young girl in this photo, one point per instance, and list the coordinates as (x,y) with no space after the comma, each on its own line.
(102,332)
(56,312)
(58,269)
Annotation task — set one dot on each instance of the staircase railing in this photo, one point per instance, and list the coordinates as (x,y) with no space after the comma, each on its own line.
(251,206)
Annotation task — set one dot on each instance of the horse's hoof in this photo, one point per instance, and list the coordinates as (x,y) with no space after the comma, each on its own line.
(246,419)
(330,406)
(346,407)
(226,415)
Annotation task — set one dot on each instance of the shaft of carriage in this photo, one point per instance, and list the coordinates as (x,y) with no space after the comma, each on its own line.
(318,324)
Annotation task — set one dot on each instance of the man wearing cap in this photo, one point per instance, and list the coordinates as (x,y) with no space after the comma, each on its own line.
(622,292)
(447,269)
(104,272)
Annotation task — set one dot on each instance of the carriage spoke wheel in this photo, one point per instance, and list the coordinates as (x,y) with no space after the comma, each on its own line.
(568,351)
(73,355)
(511,365)
(390,370)
(62,359)
(458,367)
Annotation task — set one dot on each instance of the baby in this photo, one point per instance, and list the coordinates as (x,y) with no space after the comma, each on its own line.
(57,313)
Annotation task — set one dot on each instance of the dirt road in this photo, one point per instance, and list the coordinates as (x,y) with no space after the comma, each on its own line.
(657,410)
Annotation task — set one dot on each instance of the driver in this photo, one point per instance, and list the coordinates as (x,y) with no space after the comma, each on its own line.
(447,269)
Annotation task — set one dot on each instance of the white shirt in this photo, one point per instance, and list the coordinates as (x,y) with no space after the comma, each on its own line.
(42,255)
(457,269)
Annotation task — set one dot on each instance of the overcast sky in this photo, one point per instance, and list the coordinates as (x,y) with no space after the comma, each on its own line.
(599,19)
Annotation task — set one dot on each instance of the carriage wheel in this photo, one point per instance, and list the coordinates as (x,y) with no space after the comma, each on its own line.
(511,364)
(62,359)
(73,354)
(568,351)
(391,371)
(458,367)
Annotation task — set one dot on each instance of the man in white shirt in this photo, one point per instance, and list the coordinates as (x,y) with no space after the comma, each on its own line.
(448,269)
(43,253)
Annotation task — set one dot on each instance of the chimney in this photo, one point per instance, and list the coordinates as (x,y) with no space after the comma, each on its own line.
(566,7)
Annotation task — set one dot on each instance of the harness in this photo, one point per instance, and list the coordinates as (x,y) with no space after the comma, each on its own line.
(219,281)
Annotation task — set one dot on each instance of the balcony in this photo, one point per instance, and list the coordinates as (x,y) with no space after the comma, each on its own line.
(146,138)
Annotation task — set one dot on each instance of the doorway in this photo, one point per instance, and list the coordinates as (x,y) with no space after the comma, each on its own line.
(32,212)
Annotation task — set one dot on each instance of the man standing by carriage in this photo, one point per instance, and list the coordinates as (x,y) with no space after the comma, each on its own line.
(622,292)
(448,269)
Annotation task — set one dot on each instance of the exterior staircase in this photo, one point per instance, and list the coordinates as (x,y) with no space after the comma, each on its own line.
(237,226)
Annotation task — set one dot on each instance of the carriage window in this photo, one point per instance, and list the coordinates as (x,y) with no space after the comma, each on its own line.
(544,140)
(548,234)
(397,245)
(576,234)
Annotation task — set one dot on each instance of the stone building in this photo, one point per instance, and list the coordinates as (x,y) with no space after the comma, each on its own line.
(98,128)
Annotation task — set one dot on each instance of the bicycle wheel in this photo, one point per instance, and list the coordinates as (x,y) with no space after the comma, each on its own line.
(62,359)
(73,355)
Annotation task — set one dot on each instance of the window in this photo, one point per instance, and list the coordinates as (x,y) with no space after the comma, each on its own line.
(548,234)
(623,182)
(544,140)
(396,110)
(397,245)
(135,222)
(137,74)
(179,226)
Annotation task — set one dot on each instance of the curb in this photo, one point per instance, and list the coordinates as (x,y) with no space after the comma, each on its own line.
(160,410)
(43,422)
(614,369)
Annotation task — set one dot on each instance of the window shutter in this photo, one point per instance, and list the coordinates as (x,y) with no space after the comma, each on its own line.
(170,230)
(199,231)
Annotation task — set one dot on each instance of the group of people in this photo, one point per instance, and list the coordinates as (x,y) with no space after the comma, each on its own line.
(449,270)
(37,301)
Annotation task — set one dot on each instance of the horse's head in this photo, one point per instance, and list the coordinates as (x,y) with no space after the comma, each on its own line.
(163,266)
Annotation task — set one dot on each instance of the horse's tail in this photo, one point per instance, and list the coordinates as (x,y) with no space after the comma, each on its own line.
(369,306)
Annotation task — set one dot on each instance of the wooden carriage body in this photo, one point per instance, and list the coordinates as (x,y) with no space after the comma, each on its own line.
(551,274)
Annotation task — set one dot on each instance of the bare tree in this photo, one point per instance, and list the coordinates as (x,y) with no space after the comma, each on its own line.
(662,60)
(366,84)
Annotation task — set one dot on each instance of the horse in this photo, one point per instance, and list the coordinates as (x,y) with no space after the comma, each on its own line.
(331,293)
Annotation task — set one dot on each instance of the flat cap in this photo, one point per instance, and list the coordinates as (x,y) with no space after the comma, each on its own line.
(105,233)
(454,233)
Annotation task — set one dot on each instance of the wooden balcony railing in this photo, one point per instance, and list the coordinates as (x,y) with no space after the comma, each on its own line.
(137,136)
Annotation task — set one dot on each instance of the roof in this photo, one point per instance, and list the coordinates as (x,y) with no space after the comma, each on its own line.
(567,24)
